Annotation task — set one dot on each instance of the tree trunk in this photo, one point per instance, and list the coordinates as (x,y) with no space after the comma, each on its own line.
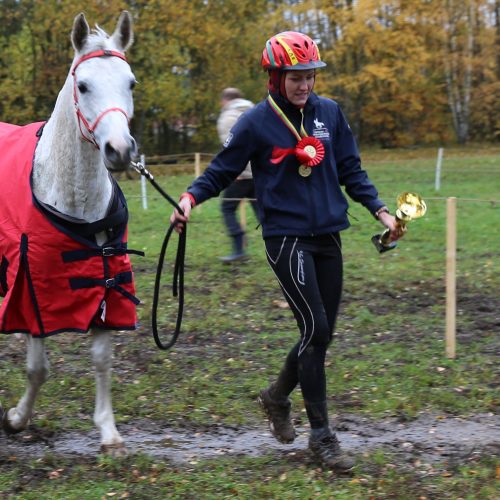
(458,63)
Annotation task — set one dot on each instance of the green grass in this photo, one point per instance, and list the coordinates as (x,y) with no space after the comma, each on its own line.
(387,357)
(264,477)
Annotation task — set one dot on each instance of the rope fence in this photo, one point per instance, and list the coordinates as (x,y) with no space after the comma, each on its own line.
(194,161)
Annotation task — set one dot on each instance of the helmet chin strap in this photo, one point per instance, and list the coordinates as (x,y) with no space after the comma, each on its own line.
(282,85)
(273,83)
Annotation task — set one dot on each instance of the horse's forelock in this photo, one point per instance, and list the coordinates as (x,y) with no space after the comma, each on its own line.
(99,32)
(98,39)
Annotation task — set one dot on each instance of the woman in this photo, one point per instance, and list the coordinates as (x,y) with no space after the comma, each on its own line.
(302,152)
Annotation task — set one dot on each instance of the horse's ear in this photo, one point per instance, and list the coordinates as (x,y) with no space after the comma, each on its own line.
(123,34)
(81,31)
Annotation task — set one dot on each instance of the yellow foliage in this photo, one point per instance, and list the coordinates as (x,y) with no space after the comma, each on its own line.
(392,65)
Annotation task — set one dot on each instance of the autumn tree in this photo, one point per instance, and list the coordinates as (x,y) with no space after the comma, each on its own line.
(405,72)
(380,72)
(36,53)
(485,95)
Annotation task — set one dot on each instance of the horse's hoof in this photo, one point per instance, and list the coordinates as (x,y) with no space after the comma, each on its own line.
(117,450)
(6,425)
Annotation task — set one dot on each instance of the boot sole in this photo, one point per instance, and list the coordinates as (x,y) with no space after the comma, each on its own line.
(332,467)
(277,436)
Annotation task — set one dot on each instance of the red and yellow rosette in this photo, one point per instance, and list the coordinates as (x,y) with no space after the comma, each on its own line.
(309,151)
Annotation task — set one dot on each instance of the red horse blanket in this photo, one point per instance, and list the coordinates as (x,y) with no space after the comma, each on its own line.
(53,275)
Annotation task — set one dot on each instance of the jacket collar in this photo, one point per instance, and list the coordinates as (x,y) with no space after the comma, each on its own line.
(289,108)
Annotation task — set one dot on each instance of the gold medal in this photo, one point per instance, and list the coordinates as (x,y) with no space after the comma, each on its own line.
(305,171)
(309,151)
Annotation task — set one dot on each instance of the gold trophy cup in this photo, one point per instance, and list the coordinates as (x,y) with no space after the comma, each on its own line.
(410,206)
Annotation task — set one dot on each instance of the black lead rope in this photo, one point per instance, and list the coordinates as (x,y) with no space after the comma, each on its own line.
(178,279)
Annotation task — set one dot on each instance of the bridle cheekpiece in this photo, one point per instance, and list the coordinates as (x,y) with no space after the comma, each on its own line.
(90,128)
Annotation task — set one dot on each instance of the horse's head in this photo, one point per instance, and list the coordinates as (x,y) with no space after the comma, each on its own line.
(103,84)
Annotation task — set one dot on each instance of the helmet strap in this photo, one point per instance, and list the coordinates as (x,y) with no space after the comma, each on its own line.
(282,85)
(273,83)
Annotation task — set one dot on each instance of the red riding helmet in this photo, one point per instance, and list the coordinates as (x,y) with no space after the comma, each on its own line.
(291,50)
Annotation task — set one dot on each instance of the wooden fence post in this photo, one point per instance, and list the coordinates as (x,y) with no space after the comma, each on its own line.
(243,214)
(197,165)
(197,171)
(451,267)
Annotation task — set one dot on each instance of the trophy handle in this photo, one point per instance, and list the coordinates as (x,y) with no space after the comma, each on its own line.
(383,242)
(410,206)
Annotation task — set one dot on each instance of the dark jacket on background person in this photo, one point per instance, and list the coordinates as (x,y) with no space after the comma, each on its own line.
(290,204)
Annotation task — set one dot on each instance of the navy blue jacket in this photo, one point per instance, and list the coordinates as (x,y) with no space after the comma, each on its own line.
(290,204)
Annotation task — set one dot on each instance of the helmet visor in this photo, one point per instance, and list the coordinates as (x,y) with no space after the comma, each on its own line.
(303,66)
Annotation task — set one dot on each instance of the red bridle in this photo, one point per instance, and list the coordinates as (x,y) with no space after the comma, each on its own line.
(81,119)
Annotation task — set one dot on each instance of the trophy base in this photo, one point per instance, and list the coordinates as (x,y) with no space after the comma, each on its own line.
(380,246)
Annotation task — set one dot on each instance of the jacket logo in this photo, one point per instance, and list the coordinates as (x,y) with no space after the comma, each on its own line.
(320,131)
(318,124)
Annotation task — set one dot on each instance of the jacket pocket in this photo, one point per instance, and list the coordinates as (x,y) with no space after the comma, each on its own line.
(4,266)
(274,248)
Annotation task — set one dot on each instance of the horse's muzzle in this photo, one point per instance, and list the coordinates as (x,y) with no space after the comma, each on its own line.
(117,158)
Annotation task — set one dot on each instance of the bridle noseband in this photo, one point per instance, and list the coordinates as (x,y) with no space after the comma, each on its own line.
(81,119)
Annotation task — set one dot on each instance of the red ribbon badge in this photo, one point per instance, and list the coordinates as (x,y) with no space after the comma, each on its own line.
(309,151)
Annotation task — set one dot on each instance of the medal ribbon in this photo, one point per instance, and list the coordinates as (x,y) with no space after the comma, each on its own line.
(309,150)
(286,121)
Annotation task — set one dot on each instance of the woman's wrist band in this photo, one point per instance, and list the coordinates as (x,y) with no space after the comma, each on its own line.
(380,210)
(190,196)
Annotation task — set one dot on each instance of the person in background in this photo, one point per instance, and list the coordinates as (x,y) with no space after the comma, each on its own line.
(232,106)
(303,153)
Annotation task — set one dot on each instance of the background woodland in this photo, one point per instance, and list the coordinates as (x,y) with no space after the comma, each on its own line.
(406,72)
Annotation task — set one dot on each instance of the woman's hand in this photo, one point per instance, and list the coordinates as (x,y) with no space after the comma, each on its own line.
(390,222)
(181,220)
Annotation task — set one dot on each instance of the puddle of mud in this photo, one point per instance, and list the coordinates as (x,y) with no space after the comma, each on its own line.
(429,437)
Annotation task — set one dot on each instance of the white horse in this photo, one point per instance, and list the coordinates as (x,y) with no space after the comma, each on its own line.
(86,137)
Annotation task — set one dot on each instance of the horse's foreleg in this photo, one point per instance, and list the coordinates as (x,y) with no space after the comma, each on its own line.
(17,419)
(111,441)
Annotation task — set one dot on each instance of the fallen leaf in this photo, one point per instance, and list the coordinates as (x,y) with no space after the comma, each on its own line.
(55,473)
(282,304)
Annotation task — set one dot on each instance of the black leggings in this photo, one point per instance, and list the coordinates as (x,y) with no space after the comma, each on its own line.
(309,271)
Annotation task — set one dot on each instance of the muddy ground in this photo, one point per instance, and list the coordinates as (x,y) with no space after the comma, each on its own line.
(429,439)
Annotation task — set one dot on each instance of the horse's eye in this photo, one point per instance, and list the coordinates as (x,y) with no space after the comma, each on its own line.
(82,88)
(133,83)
